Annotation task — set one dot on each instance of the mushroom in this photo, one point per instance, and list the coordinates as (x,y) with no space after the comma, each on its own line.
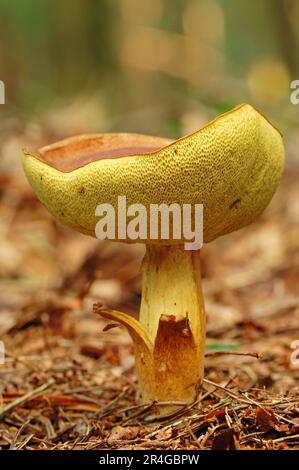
(232,166)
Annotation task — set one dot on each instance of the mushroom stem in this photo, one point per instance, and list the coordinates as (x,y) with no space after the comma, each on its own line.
(169,337)
(172,313)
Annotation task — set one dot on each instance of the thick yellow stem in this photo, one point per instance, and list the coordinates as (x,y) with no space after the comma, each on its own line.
(169,338)
(172,312)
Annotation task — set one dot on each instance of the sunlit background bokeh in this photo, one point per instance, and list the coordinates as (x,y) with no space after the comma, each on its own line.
(156,66)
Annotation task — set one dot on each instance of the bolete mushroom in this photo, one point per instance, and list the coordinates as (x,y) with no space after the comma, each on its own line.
(232,166)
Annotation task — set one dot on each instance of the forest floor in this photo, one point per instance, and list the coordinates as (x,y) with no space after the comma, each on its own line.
(66,384)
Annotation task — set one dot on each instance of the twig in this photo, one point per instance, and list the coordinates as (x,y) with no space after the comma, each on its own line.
(229,392)
(18,433)
(26,397)
(256,355)
(281,439)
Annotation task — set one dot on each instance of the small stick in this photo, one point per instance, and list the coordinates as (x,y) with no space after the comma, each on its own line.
(286,438)
(26,397)
(257,355)
(229,392)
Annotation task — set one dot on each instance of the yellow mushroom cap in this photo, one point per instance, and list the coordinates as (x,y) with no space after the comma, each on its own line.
(232,166)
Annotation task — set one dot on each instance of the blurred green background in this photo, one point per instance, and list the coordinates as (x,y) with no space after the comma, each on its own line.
(153,66)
